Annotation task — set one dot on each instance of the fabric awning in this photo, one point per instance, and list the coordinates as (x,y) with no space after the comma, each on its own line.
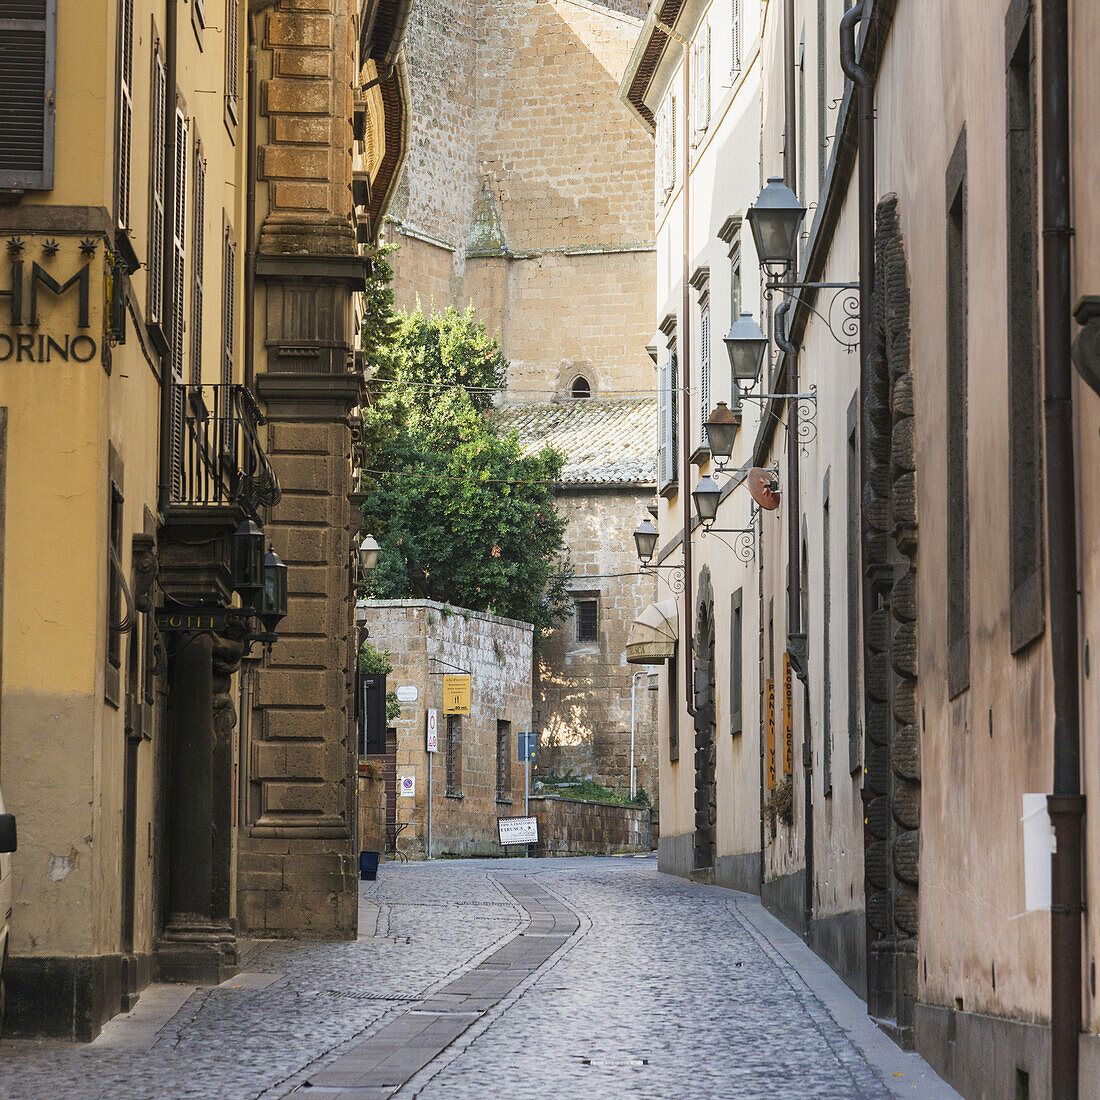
(653,635)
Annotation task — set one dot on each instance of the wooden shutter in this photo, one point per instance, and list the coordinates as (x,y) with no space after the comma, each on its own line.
(156,187)
(664,433)
(232,61)
(735,21)
(28,31)
(125,109)
(229,323)
(197,256)
(674,417)
(704,373)
(671,145)
(705,77)
(178,271)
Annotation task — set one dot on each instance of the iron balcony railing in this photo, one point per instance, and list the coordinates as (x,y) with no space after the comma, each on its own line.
(217,455)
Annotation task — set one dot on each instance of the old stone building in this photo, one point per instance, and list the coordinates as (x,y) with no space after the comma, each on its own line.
(527,192)
(476,775)
(586,695)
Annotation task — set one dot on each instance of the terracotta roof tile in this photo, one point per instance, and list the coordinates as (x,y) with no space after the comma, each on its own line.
(604,440)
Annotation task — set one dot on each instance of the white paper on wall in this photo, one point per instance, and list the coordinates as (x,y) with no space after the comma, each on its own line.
(1038,847)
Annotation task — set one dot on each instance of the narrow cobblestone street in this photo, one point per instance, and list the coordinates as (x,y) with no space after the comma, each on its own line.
(556,978)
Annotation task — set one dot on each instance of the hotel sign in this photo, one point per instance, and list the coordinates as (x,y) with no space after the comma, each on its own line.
(27,289)
(175,621)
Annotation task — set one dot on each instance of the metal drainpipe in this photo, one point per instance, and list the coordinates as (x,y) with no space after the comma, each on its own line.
(685,404)
(1066,804)
(168,296)
(254,10)
(865,107)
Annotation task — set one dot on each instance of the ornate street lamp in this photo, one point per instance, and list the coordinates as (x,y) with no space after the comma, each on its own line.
(368,553)
(273,603)
(747,345)
(706,496)
(722,428)
(247,556)
(645,538)
(775,219)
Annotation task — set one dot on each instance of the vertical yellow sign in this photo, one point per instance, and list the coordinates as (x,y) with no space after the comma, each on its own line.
(788,717)
(770,692)
(456,694)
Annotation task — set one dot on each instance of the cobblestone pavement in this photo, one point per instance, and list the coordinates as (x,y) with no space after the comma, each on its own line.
(557,978)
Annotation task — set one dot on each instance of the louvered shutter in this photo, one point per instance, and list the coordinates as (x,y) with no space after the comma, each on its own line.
(28,31)
(674,418)
(156,198)
(125,109)
(232,47)
(178,269)
(229,322)
(197,256)
(672,145)
(664,429)
(735,20)
(704,373)
(705,77)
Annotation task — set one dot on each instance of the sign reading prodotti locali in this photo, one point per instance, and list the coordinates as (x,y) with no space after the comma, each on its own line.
(28,285)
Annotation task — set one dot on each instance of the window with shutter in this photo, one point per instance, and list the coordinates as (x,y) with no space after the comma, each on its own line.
(232,62)
(229,322)
(125,110)
(735,23)
(671,145)
(663,434)
(156,188)
(28,29)
(177,304)
(704,371)
(197,253)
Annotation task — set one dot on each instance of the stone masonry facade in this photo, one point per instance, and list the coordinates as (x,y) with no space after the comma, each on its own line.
(583,688)
(425,640)
(527,190)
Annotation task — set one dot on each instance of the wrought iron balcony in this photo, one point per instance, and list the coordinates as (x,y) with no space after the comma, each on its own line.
(218,458)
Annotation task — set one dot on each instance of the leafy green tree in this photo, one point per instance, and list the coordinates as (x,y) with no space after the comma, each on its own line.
(462,514)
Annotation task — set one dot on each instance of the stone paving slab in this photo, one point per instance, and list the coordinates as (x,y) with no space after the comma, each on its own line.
(547,979)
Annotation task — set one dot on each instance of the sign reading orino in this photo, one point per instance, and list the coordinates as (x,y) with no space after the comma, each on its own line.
(28,284)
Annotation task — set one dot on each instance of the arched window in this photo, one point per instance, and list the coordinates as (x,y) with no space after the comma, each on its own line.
(581,388)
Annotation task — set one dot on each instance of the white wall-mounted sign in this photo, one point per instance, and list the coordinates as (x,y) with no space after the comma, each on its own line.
(408,693)
(433,730)
(518,830)
(1038,847)
(406,785)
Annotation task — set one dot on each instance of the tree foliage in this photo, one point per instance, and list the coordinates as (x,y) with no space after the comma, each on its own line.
(463,516)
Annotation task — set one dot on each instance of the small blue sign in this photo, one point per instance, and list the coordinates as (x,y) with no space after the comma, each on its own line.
(526,744)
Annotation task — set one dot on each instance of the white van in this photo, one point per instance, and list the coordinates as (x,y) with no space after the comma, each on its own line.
(7,846)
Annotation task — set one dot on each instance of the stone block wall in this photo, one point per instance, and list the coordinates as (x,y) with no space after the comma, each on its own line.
(426,639)
(583,689)
(528,189)
(569,826)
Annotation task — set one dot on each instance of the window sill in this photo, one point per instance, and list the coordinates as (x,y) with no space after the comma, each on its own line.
(700,456)
(458,795)
(505,802)
(670,490)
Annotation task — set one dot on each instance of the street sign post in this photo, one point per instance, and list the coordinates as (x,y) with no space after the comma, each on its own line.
(526,743)
(432,745)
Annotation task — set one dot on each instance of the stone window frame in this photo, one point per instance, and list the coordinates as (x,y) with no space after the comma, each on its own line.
(116,621)
(587,598)
(673,701)
(737,662)
(957,417)
(855,731)
(826,639)
(504,761)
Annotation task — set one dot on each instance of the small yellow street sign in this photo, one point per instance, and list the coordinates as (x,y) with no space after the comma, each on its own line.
(788,717)
(770,689)
(456,694)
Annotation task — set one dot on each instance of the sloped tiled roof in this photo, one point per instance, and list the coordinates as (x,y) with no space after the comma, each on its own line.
(604,440)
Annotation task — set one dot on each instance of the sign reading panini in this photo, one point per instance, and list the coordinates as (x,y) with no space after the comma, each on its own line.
(456,694)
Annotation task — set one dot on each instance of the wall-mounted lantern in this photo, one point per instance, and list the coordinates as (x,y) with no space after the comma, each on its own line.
(273,604)
(367,553)
(645,539)
(722,427)
(707,495)
(247,558)
(747,345)
(775,219)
